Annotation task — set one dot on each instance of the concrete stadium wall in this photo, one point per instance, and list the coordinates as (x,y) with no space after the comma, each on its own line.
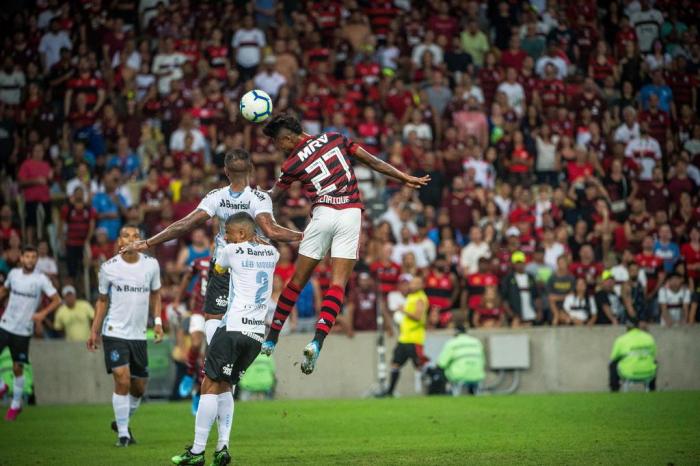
(562,360)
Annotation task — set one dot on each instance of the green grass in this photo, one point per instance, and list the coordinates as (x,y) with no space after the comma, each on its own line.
(633,428)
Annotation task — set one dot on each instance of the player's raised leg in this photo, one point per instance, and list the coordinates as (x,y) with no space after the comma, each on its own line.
(341,270)
(304,268)
(342,228)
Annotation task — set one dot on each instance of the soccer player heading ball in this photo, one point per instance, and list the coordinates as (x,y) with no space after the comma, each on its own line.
(323,164)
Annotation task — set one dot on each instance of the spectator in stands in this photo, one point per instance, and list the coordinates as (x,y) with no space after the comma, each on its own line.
(666,249)
(464,362)
(74,316)
(674,301)
(489,311)
(579,307)
(110,206)
(363,306)
(33,176)
(519,293)
(476,249)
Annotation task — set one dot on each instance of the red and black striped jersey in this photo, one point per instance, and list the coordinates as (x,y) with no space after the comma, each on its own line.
(200,275)
(323,166)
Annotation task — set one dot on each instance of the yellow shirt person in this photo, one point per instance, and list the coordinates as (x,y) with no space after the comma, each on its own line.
(74,316)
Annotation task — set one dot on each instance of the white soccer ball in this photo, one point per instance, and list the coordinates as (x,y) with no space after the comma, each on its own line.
(255,106)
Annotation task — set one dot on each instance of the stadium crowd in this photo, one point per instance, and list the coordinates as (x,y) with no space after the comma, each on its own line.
(562,138)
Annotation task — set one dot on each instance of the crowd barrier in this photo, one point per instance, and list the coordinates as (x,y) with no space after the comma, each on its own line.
(562,360)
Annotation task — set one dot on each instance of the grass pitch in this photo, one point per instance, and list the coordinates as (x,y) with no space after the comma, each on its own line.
(633,428)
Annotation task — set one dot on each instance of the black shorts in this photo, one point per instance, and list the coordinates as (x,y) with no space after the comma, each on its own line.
(405,351)
(120,352)
(229,355)
(216,296)
(18,344)
(31,209)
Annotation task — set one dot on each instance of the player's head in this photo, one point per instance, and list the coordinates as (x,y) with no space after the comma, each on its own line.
(285,132)
(128,234)
(240,227)
(236,161)
(29,258)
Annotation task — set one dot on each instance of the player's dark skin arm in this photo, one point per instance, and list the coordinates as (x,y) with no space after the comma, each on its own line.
(275,231)
(172,231)
(386,169)
(100,312)
(156,306)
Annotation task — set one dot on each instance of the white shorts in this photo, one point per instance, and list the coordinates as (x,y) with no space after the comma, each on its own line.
(196,323)
(334,229)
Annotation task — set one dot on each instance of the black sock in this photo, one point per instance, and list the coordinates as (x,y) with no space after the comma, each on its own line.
(394,380)
(320,337)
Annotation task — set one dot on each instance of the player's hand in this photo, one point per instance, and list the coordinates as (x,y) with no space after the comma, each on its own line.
(136,246)
(38,317)
(158,330)
(415,182)
(93,343)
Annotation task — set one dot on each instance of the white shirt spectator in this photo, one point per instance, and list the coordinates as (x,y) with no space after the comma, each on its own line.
(143,82)
(515,94)
(558,62)
(546,155)
(248,43)
(423,131)
(471,253)
(51,45)
(419,253)
(528,313)
(171,64)
(621,275)
(11,86)
(47,265)
(484,173)
(474,91)
(674,301)
(646,152)
(270,82)
(625,134)
(576,307)
(429,249)
(647,25)
(552,253)
(133,61)
(76,183)
(177,140)
(418,51)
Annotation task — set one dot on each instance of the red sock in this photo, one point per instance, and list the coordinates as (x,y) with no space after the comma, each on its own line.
(332,302)
(285,303)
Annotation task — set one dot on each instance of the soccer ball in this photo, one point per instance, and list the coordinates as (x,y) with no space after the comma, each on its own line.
(256,106)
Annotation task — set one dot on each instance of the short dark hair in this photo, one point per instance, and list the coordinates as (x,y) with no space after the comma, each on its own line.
(235,154)
(29,248)
(280,122)
(241,218)
(130,225)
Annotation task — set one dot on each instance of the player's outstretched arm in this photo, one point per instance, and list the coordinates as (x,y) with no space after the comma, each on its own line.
(275,231)
(172,231)
(386,169)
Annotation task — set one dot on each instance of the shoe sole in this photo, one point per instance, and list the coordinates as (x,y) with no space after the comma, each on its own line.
(309,364)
